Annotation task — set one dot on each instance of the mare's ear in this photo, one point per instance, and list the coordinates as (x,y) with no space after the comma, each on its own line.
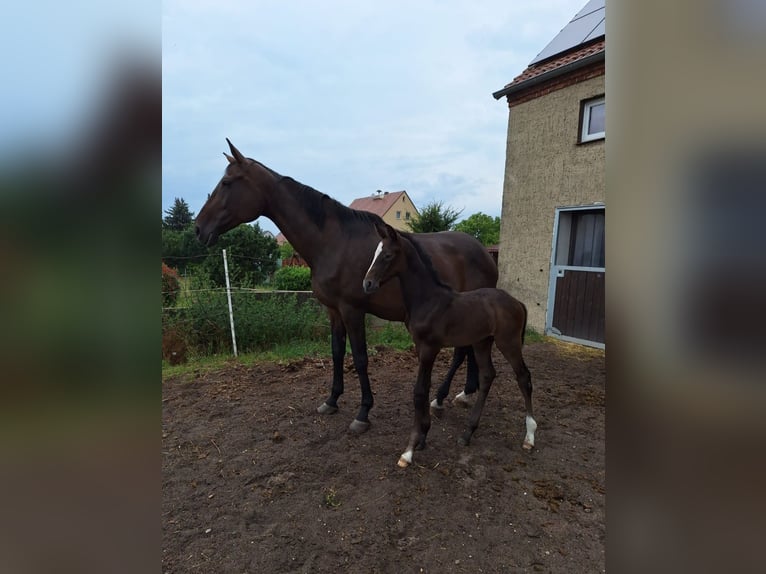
(238,157)
(391,233)
(231,159)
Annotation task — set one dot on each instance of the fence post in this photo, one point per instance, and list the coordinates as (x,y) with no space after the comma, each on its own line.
(228,295)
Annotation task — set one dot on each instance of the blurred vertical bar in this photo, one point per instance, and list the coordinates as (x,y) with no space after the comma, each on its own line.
(686,299)
(80,160)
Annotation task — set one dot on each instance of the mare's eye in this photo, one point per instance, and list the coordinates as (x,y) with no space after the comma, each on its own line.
(225,182)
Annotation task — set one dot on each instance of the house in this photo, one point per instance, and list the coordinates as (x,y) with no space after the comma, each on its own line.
(552,240)
(294,260)
(396,207)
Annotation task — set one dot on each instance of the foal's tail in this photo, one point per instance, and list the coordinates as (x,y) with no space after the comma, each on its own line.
(524,329)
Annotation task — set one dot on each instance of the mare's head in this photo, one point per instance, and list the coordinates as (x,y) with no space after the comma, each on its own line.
(238,198)
(388,261)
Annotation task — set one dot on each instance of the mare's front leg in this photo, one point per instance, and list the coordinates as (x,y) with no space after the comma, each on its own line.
(338,331)
(422,421)
(354,321)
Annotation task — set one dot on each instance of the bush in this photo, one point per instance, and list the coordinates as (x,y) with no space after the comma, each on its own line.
(261,321)
(171,286)
(293,279)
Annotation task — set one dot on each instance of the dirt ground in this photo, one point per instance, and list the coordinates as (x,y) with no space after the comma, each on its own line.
(255,481)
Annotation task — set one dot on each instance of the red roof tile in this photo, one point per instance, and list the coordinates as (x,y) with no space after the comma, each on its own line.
(379,203)
(561,60)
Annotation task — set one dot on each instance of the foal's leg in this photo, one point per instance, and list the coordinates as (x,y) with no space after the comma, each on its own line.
(338,330)
(422,422)
(458,357)
(483,353)
(510,347)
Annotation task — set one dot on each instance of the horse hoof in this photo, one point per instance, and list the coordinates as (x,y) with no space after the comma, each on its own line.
(463,400)
(436,409)
(463,441)
(402,463)
(527,445)
(325,409)
(358,427)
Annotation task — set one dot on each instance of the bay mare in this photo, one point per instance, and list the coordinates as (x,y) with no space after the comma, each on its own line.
(336,242)
(438,317)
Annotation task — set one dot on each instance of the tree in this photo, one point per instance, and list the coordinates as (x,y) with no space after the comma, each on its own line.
(435,217)
(286,250)
(181,249)
(252,256)
(179,216)
(483,227)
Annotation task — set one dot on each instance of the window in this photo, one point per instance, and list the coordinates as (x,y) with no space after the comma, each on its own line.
(398,215)
(581,238)
(407,216)
(593,120)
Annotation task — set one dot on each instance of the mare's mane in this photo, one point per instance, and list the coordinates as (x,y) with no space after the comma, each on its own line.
(425,259)
(318,205)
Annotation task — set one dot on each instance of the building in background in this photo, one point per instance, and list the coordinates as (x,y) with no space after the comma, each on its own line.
(395,207)
(552,250)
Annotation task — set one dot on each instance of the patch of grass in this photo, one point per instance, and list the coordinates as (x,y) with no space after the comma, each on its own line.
(393,335)
(290,351)
(532,336)
(331,499)
(197,363)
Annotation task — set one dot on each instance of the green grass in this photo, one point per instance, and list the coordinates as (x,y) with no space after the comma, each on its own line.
(393,335)
(532,336)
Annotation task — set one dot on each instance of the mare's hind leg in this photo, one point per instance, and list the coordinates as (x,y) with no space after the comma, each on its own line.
(437,406)
(338,331)
(483,354)
(510,347)
(471,381)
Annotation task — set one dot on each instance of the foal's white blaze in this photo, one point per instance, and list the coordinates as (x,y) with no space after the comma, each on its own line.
(529,440)
(406,458)
(374,258)
(378,249)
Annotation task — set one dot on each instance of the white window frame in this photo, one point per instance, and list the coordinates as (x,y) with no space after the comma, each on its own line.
(586,108)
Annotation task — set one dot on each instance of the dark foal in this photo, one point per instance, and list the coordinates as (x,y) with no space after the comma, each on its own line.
(336,242)
(438,317)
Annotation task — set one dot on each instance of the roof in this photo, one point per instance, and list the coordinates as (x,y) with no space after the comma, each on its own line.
(378,203)
(579,46)
(588,24)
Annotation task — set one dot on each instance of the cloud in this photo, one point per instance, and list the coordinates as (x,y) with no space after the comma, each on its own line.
(348,97)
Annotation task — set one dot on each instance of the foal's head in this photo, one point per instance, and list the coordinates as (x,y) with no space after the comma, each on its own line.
(388,260)
(239,197)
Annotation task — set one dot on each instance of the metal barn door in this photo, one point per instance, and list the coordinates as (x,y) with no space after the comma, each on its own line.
(578,275)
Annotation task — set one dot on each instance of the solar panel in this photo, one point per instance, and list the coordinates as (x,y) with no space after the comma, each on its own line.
(588,24)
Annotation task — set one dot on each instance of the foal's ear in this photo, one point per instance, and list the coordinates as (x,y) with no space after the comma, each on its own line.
(381,229)
(391,233)
(238,157)
(231,159)
(385,231)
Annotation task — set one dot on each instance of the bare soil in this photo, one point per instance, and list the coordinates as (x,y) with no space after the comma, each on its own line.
(254,480)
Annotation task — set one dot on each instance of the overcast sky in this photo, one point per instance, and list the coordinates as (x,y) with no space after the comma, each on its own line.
(348,97)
